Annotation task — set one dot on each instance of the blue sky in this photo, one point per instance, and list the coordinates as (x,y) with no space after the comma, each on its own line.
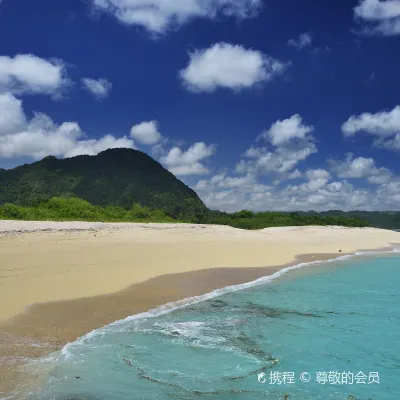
(256,104)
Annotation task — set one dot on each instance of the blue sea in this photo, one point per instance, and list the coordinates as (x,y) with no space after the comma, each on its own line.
(325,331)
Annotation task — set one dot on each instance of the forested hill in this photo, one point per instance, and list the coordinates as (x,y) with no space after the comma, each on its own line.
(131,179)
(117,177)
(377,219)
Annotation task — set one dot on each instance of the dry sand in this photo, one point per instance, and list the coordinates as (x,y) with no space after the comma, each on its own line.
(80,276)
(49,262)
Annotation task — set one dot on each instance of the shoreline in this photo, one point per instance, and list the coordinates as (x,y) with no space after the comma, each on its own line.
(62,322)
(46,327)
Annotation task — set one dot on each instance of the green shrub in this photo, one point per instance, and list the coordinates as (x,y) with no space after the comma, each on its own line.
(12,211)
(73,208)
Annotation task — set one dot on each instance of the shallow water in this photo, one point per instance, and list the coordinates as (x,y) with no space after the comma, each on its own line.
(338,317)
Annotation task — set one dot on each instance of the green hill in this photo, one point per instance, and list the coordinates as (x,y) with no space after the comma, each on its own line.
(128,185)
(117,177)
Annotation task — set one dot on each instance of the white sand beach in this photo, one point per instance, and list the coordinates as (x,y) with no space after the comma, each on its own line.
(60,280)
(52,261)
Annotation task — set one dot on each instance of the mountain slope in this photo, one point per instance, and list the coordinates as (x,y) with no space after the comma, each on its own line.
(113,177)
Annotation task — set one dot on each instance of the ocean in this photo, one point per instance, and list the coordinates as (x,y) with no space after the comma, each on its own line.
(327,331)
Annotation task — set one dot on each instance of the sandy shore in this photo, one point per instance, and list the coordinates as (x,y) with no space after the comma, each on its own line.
(77,276)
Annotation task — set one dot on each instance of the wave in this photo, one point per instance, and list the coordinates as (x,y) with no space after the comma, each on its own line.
(205,327)
(67,350)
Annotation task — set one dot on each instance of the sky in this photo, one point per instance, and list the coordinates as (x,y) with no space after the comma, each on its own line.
(255,104)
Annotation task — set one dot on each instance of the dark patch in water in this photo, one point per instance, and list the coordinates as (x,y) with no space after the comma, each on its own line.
(251,373)
(265,311)
(127,361)
(209,305)
(182,391)
(250,346)
(218,303)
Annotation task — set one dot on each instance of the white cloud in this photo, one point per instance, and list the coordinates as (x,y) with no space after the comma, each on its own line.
(246,189)
(360,167)
(231,193)
(99,88)
(292,143)
(159,16)
(26,73)
(382,17)
(146,133)
(317,174)
(385,123)
(384,126)
(95,146)
(188,162)
(221,181)
(40,136)
(314,184)
(282,132)
(296,174)
(12,116)
(317,179)
(318,194)
(281,160)
(228,66)
(302,41)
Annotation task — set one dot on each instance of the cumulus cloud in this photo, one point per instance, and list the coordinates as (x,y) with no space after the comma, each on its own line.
(296,174)
(231,193)
(12,117)
(99,88)
(222,181)
(189,162)
(159,16)
(262,180)
(360,167)
(41,136)
(146,133)
(313,174)
(281,160)
(282,132)
(224,65)
(316,194)
(317,179)
(384,126)
(381,17)
(287,143)
(304,40)
(26,73)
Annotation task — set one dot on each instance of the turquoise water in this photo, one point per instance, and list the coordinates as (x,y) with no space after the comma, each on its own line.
(336,317)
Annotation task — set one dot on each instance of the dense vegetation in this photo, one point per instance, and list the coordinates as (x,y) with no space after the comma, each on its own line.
(128,185)
(115,177)
(378,219)
(249,220)
(63,209)
(74,209)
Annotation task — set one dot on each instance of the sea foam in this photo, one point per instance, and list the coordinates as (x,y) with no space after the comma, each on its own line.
(67,350)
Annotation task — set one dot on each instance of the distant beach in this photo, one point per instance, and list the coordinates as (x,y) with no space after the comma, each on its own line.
(61,280)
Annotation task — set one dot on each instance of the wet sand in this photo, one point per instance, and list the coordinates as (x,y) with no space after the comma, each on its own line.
(163,263)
